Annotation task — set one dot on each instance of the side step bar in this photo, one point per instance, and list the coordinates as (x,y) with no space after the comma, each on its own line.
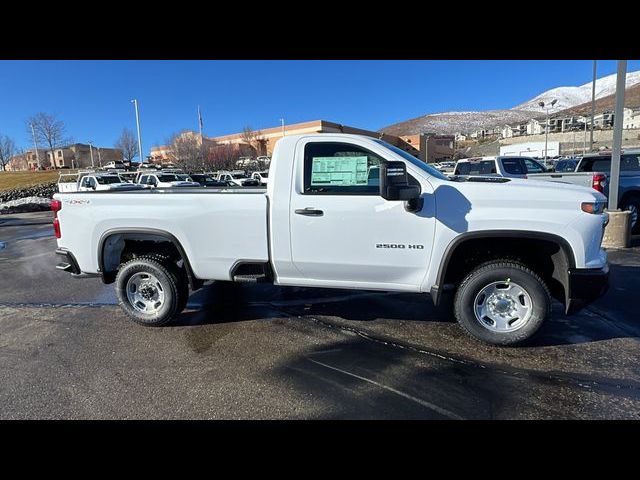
(64,266)
(250,278)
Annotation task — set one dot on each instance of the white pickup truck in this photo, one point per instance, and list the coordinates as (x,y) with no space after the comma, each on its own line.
(93,181)
(504,246)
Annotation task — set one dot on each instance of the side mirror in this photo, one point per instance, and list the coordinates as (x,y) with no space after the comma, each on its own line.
(394,183)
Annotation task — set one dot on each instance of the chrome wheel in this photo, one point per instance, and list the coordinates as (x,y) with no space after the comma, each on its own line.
(633,208)
(145,293)
(503,306)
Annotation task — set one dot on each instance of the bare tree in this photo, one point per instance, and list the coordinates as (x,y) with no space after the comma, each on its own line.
(128,145)
(185,150)
(7,150)
(253,138)
(222,157)
(49,131)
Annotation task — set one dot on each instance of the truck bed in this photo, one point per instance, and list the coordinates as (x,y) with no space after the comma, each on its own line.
(216,227)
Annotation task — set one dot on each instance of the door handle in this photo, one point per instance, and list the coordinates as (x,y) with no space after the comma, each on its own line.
(310,212)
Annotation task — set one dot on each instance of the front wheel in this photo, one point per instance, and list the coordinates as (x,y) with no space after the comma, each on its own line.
(502,303)
(151,292)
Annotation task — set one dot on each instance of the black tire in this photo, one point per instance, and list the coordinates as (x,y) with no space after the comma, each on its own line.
(180,273)
(500,271)
(633,202)
(173,289)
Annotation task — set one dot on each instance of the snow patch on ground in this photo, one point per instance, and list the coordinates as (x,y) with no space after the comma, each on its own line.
(27,204)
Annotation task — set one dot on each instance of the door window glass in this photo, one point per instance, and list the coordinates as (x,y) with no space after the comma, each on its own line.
(340,168)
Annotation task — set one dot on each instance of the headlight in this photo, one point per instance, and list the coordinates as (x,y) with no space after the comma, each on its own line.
(595,208)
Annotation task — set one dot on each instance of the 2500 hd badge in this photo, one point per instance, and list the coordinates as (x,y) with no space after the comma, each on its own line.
(399,245)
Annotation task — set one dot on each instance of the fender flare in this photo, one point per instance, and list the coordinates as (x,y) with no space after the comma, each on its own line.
(436,290)
(194,282)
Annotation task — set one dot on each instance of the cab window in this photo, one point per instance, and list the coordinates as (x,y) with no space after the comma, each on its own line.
(513,166)
(533,167)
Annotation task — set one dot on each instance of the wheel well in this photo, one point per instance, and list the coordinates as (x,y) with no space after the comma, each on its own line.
(118,248)
(549,258)
(628,195)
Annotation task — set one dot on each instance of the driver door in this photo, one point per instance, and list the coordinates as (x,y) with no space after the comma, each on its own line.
(343,233)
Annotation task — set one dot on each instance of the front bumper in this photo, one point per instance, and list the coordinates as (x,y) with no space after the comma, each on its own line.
(584,286)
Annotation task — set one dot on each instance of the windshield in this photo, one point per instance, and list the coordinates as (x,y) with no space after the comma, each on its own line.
(413,160)
(264,174)
(109,180)
(168,178)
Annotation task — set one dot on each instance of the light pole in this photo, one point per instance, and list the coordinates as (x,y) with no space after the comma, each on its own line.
(91,153)
(282,122)
(35,143)
(617,135)
(99,157)
(135,103)
(593,104)
(546,130)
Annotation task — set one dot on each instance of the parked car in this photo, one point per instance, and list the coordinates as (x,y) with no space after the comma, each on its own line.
(629,184)
(164,180)
(321,224)
(261,177)
(116,165)
(238,179)
(566,165)
(208,180)
(93,181)
(507,166)
(528,168)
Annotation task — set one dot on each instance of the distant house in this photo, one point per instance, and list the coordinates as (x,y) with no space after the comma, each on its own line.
(534,127)
(603,120)
(631,118)
(460,137)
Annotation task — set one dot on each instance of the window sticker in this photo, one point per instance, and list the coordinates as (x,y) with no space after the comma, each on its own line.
(341,171)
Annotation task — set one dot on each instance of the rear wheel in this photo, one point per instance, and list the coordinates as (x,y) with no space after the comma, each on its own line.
(151,291)
(502,303)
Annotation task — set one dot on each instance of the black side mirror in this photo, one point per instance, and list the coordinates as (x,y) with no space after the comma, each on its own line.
(394,183)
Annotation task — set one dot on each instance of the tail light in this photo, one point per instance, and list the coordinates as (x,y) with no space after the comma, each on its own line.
(599,182)
(56,206)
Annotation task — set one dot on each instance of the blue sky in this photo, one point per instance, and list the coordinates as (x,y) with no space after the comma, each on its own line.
(93,97)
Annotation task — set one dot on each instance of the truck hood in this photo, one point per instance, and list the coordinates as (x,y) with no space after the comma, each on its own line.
(521,193)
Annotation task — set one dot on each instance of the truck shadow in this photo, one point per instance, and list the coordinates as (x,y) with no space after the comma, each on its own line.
(360,379)
(227,302)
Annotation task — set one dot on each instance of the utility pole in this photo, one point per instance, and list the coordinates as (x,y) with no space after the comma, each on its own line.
(35,143)
(91,153)
(282,122)
(99,158)
(135,103)
(593,103)
(617,135)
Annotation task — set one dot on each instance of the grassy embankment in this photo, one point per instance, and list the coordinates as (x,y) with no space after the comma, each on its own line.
(11,180)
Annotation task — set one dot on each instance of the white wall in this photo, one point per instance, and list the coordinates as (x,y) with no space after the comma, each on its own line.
(531,149)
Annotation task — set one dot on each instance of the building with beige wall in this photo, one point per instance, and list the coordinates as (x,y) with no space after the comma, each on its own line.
(265,140)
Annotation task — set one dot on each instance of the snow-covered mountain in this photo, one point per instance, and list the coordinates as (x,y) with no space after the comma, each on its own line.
(571,96)
(451,122)
(467,122)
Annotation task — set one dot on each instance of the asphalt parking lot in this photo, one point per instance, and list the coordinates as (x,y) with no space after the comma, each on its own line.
(263,352)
